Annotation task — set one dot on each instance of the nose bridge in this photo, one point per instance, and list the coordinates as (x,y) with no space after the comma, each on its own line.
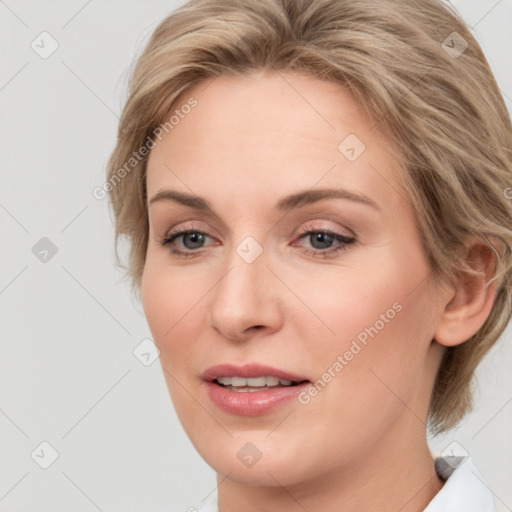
(243,297)
(246,266)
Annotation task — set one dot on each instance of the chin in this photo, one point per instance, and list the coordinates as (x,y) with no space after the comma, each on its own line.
(254,462)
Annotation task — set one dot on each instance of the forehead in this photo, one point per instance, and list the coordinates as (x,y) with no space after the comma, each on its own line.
(269,132)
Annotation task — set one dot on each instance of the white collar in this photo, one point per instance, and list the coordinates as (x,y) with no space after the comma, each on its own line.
(464,489)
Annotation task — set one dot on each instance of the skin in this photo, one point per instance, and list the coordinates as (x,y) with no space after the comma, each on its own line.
(360,444)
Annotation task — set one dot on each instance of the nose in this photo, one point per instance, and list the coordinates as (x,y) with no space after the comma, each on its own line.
(246,300)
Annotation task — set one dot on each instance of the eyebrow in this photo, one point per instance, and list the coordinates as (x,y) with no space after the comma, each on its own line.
(296,200)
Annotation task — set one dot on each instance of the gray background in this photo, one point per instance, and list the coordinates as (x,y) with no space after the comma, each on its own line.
(69,326)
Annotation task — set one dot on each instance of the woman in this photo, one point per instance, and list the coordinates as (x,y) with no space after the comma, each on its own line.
(315,194)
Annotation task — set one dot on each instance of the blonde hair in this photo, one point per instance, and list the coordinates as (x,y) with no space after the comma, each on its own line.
(407,64)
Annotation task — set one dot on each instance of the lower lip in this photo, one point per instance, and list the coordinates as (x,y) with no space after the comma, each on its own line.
(252,403)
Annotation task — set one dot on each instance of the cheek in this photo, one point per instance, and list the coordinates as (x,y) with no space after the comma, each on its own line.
(174,311)
(167,294)
(347,301)
(175,302)
(373,364)
(373,321)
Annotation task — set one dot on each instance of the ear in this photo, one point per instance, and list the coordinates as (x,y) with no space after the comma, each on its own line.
(471,298)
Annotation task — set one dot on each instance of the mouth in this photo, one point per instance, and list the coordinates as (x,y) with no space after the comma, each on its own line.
(252,389)
(251,375)
(252,384)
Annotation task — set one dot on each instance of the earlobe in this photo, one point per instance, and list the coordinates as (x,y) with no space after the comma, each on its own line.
(471,299)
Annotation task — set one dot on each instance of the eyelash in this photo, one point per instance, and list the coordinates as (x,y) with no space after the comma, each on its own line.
(343,240)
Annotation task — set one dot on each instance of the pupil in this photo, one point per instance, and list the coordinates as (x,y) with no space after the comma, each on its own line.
(323,239)
(196,239)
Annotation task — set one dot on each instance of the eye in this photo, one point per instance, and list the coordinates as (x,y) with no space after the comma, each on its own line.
(325,242)
(191,240)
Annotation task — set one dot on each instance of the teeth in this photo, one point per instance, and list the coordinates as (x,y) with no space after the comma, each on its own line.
(253,382)
(246,390)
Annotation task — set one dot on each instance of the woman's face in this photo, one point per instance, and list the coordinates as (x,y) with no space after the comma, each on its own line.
(302,255)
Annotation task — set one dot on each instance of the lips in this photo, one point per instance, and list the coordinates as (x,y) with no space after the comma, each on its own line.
(251,370)
(241,400)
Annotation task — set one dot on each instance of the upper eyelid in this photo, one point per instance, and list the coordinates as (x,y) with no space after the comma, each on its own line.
(303,228)
(184,229)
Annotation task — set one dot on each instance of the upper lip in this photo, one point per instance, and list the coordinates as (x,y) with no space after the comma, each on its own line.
(249,370)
